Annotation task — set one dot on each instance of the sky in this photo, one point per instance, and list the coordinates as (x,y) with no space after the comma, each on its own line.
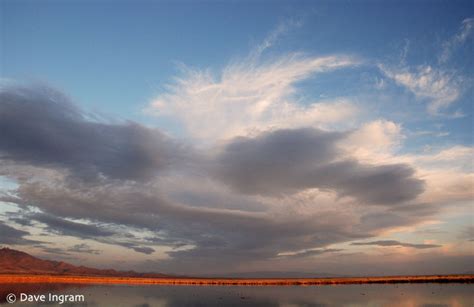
(232,137)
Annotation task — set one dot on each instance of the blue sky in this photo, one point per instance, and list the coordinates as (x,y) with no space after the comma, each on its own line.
(92,48)
(395,78)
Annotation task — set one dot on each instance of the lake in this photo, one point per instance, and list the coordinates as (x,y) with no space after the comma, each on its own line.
(423,295)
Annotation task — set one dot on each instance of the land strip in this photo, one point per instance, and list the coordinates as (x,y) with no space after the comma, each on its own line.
(235,281)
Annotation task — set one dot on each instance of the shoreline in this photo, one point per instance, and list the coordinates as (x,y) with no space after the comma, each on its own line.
(10,278)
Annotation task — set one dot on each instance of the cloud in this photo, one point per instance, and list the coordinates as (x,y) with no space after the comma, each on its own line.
(69,228)
(450,45)
(250,96)
(447,172)
(458,155)
(56,251)
(90,231)
(440,88)
(144,250)
(285,161)
(83,248)
(220,212)
(13,236)
(396,243)
(467,233)
(212,237)
(374,139)
(41,127)
(274,35)
(309,253)
(139,249)
(271,178)
(288,185)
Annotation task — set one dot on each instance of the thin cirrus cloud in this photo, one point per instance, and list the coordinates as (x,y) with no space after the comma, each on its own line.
(439,85)
(251,96)
(449,46)
(441,88)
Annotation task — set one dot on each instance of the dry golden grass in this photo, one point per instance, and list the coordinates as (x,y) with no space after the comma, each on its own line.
(235,281)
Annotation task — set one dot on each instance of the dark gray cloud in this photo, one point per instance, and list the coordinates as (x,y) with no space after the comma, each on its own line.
(285,161)
(134,246)
(83,248)
(18,219)
(396,216)
(69,228)
(213,236)
(142,249)
(91,231)
(41,127)
(13,236)
(396,243)
(312,252)
(200,237)
(275,162)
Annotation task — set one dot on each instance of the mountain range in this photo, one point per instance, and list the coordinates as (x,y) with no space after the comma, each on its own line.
(18,262)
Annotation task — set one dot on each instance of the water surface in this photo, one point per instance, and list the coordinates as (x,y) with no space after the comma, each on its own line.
(423,295)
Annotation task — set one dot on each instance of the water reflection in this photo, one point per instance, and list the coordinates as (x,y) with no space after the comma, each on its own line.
(423,295)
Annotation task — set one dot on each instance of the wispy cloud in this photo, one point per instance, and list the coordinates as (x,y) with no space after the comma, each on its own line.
(248,97)
(438,85)
(253,94)
(283,28)
(440,88)
(450,45)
